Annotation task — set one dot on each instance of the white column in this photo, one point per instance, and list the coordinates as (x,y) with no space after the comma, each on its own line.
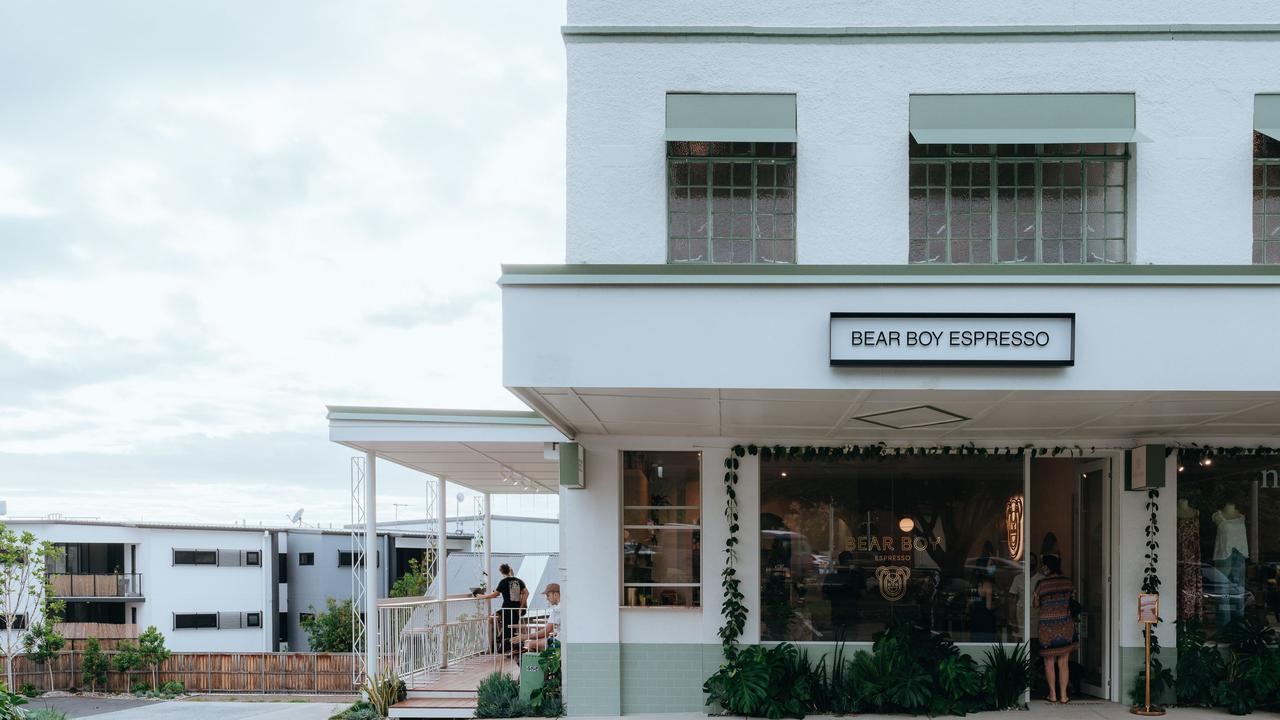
(371,566)
(488,543)
(442,566)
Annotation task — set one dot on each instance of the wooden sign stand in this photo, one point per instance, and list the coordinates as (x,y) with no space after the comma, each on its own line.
(1148,615)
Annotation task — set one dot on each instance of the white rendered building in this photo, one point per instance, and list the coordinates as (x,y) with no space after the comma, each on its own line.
(951,288)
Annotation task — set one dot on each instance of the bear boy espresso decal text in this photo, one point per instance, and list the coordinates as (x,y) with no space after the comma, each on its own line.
(979,339)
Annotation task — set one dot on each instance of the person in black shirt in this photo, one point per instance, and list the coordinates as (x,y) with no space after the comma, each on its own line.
(515,598)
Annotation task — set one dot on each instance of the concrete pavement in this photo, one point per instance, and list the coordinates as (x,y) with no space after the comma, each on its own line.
(190,709)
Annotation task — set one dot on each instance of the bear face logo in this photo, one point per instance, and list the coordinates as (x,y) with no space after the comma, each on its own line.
(893,581)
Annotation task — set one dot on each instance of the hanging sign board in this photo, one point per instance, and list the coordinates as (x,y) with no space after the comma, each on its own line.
(1148,608)
(1145,469)
(959,339)
(572,466)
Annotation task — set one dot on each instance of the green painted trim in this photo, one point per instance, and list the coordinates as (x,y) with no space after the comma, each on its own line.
(921,32)
(435,415)
(590,274)
(1266,115)
(730,117)
(1023,118)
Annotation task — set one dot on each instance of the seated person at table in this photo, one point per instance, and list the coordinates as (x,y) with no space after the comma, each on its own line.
(539,639)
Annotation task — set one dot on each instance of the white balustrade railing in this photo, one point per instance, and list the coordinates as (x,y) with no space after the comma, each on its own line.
(419,636)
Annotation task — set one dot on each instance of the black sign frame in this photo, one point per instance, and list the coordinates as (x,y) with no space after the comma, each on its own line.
(1070,362)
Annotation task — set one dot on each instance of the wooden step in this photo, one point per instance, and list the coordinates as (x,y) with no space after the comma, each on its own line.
(434,707)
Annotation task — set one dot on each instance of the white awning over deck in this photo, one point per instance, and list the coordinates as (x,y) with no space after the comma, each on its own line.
(486,451)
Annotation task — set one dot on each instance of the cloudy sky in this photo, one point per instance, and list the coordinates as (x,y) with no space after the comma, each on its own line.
(217,218)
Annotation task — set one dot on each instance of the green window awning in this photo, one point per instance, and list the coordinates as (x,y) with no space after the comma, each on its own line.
(723,117)
(1032,118)
(1266,115)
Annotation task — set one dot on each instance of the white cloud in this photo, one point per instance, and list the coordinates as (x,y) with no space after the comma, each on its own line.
(15,197)
(214,221)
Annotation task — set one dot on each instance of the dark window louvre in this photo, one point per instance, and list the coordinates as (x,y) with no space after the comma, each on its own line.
(195,621)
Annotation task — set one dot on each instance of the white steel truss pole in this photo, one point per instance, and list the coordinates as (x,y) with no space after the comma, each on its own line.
(356,528)
(487,573)
(442,555)
(371,566)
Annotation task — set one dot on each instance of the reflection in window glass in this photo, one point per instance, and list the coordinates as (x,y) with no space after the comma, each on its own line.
(731,202)
(1266,200)
(1228,564)
(661,528)
(1052,204)
(845,544)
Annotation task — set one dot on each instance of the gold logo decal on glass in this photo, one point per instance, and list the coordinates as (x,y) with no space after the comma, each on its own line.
(1013,514)
(893,581)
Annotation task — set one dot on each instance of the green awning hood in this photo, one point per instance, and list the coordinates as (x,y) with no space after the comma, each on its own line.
(1031,118)
(1266,115)
(724,117)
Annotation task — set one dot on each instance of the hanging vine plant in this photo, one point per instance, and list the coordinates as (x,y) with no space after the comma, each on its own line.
(732,608)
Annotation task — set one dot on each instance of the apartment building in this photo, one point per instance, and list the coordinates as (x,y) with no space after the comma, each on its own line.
(230,588)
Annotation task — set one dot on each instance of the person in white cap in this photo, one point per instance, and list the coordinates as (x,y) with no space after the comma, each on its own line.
(539,639)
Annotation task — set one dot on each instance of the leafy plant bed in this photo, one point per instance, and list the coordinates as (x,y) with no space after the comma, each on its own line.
(909,670)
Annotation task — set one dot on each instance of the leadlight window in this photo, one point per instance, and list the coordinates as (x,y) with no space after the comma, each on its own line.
(1050,204)
(731,202)
(1266,199)
(661,529)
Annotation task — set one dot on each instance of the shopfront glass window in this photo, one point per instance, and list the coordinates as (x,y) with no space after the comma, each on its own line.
(1228,547)
(1050,204)
(661,529)
(846,544)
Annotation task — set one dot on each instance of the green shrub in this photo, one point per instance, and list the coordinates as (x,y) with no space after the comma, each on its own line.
(93,664)
(28,690)
(11,705)
(762,682)
(360,710)
(139,688)
(46,714)
(548,700)
(1008,676)
(384,690)
(1200,666)
(498,696)
(173,688)
(910,669)
(1252,677)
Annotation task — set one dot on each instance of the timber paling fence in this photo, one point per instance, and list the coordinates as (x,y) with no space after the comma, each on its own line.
(214,672)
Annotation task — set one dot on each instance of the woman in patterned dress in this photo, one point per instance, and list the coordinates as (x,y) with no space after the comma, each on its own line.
(1057,627)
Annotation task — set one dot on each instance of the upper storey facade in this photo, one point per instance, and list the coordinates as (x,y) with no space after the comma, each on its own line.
(884,133)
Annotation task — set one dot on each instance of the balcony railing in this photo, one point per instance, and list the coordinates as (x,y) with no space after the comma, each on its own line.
(101,631)
(419,637)
(96,585)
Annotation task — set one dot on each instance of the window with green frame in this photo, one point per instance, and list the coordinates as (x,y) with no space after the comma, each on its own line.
(1266,200)
(731,202)
(1051,204)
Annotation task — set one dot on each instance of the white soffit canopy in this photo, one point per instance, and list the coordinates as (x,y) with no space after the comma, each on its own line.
(473,448)
(994,416)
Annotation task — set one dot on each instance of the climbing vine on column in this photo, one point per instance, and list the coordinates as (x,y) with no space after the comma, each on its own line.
(732,608)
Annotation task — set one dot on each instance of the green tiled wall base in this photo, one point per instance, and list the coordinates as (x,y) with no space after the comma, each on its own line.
(1131,661)
(592,672)
(634,678)
(664,678)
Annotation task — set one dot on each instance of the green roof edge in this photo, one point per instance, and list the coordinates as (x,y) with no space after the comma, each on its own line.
(912,31)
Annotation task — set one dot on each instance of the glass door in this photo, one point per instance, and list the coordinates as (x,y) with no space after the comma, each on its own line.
(1093,576)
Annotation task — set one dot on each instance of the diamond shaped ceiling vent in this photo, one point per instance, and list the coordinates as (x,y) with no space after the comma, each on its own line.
(912,417)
